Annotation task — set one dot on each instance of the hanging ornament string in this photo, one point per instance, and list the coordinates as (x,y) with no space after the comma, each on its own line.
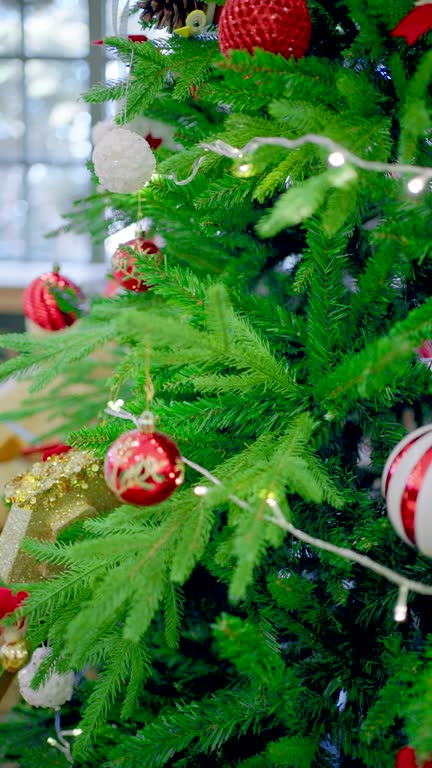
(139,207)
(277,518)
(123,118)
(338,156)
(149,386)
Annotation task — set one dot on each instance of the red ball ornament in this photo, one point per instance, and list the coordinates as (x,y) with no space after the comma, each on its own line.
(40,301)
(407,487)
(406,758)
(279,26)
(124,263)
(143,467)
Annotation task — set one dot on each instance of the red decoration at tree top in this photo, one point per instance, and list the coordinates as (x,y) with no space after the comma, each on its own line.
(406,758)
(284,27)
(10,602)
(416,23)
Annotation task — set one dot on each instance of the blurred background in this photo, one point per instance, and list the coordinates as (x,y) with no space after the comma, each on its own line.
(46,63)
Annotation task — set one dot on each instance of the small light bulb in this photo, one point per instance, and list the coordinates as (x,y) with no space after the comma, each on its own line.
(245,167)
(115,405)
(201,490)
(400,612)
(416,185)
(336,159)
(52,742)
(77,732)
(271,501)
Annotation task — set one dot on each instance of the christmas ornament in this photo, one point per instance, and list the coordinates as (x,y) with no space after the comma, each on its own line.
(416,23)
(173,14)
(143,466)
(13,649)
(284,27)
(45,500)
(195,23)
(42,297)
(55,691)
(407,487)
(124,263)
(10,602)
(14,653)
(155,132)
(100,129)
(123,161)
(406,758)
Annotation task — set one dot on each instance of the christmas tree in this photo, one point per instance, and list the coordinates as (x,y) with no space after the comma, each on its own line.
(262,613)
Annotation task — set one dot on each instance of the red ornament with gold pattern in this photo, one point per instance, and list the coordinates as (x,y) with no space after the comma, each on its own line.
(282,26)
(143,467)
(407,487)
(43,297)
(124,263)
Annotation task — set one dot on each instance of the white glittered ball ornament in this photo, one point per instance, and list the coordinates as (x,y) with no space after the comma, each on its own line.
(57,689)
(407,487)
(123,161)
(100,129)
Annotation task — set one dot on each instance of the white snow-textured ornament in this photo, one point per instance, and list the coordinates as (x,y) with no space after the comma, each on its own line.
(407,487)
(100,129)
(54,692)
(123,161)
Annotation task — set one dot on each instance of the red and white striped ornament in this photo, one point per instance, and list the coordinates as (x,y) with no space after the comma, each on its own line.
(407,487)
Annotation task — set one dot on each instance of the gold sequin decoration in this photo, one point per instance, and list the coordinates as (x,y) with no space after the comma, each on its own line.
(45,500)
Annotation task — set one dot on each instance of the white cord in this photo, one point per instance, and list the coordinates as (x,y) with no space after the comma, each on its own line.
(277,518)
(338,155)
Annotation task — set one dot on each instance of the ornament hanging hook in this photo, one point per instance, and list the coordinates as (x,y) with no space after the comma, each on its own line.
(149,386)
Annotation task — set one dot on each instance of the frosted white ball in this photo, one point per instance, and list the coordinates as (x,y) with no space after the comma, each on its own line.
(123,161)
(56,690)
(100,129)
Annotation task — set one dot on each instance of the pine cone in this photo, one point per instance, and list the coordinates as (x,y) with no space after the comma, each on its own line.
(169,13)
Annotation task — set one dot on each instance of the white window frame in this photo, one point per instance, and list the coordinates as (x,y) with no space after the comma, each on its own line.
(18,273)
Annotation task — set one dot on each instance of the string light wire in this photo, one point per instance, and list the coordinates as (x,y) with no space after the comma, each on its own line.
(277,518)
(338,156)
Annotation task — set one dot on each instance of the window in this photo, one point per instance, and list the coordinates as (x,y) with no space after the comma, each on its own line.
(46,63)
